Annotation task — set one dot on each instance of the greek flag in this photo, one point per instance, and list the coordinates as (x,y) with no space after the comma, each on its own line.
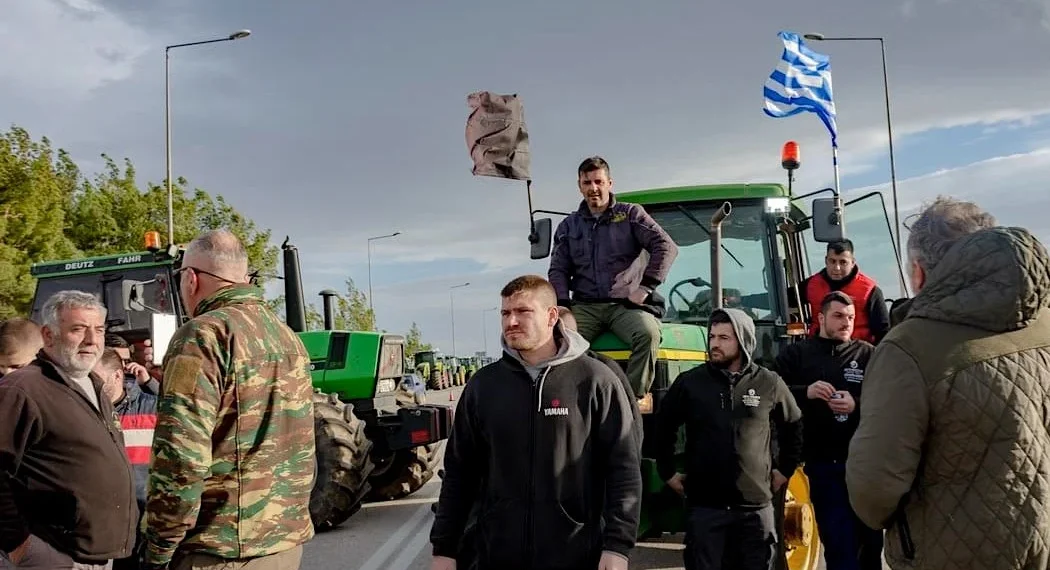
(801,82)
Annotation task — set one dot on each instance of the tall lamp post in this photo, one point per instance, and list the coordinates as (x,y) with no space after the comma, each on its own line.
(484,328)
(370,240)
(452,312)
(167,114)
(889,129)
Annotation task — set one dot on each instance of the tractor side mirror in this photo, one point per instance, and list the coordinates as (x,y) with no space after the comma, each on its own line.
(134,294)
(540,239)
(829,222)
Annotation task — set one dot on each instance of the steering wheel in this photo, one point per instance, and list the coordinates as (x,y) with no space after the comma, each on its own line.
(693,307)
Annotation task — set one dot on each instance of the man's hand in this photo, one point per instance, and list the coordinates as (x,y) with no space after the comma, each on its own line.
(442,563)
(778,480)
(845,404)
(17,555)
(612,561)
(676,483)
(138,371)
(639,296)
(820,390)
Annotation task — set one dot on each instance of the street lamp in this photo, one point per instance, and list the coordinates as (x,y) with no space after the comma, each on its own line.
(452,311)
(370,240)
(889,127)
(167,114)
(484,328)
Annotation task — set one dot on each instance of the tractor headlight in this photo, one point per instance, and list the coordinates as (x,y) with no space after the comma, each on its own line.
(778,205)
(387,385)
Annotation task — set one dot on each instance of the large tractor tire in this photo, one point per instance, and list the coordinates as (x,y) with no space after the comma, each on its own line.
(404,473)
(343,462)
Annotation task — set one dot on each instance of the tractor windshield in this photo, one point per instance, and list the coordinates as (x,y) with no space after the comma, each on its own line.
(107,286)
(745,255)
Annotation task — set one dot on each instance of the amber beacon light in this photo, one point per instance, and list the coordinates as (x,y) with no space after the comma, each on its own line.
(789,157)
(152,240)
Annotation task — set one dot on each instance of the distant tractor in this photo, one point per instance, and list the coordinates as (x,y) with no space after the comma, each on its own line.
(368,446)
(431,366)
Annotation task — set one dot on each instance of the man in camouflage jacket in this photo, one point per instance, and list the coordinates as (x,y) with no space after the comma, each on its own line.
(233,464)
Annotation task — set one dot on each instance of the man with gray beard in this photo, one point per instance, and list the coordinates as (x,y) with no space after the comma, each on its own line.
(68,499)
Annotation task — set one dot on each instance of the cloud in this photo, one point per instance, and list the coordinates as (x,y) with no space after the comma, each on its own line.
(65,49)
(345,122)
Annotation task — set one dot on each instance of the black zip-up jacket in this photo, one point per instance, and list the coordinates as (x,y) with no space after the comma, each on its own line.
(728,463)
(840,364)
(66,476)
(550,457)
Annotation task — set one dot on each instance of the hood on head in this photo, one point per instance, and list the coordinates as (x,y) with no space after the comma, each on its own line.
(996,279)
(572,346)
(744,327)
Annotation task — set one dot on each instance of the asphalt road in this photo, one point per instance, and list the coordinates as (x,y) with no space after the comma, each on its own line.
(394,535)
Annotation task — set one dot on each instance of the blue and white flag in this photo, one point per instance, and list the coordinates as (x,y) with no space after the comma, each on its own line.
(801,82)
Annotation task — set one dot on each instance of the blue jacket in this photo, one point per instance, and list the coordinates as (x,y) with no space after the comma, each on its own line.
(600,259)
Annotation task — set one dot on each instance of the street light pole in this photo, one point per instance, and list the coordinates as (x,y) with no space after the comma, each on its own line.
(484,328)
(452,311)
(896,234)
(370,240)
(167,116)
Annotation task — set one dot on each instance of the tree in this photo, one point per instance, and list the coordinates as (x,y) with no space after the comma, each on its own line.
(352,311)
(414,341)
(111,215)
(36,183)
(49,211)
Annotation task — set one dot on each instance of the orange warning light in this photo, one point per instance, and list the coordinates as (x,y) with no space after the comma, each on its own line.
(789,158)
(152,239)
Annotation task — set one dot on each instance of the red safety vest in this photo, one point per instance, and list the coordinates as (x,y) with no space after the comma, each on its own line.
(138,436)
(859,289)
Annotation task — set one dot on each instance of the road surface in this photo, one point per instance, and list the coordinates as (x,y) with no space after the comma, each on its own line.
(395,535)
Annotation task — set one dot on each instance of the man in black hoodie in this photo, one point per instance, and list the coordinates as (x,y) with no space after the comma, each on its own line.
(543,441)
(727,406)
(825,374)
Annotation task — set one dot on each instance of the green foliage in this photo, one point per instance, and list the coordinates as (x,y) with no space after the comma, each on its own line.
(414,341)
(50,211)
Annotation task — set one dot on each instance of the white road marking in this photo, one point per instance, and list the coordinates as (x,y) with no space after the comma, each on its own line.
(396,539)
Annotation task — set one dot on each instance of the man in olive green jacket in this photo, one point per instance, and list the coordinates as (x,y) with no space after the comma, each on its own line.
(952,455)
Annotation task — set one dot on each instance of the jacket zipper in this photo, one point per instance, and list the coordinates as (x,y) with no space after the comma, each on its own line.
(536,392)
(598,281)
(133,523)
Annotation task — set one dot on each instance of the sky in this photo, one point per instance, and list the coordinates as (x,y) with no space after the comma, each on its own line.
(335,122)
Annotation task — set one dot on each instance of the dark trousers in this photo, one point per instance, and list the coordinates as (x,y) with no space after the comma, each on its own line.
(848,543)
(722,539)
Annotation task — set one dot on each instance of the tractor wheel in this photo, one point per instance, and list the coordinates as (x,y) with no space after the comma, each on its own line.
(342,460)
(800,526)
(404,473)
(434,382)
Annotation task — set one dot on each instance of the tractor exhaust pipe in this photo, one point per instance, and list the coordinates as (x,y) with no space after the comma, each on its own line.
(329,296)
(716,247)
(294,305)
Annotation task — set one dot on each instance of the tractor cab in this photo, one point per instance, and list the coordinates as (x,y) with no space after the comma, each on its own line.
(138,289)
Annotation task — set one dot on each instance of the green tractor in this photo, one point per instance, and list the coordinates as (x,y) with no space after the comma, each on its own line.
(771,245)
(371,444)
(430,365)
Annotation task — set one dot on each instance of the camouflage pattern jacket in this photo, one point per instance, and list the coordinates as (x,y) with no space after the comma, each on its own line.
(233,464)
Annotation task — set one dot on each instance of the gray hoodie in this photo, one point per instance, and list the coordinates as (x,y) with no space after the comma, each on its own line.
(744,328)
(575,348)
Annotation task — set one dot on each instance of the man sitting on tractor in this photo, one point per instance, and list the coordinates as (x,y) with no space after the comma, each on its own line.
(841,273)
(597,256)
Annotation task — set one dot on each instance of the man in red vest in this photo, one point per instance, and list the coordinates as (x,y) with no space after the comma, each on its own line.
(841,273)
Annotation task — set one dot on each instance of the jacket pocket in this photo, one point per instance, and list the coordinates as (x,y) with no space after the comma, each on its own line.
(561,540)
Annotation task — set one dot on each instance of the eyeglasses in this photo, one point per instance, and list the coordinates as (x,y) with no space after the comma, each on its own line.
(178,273)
